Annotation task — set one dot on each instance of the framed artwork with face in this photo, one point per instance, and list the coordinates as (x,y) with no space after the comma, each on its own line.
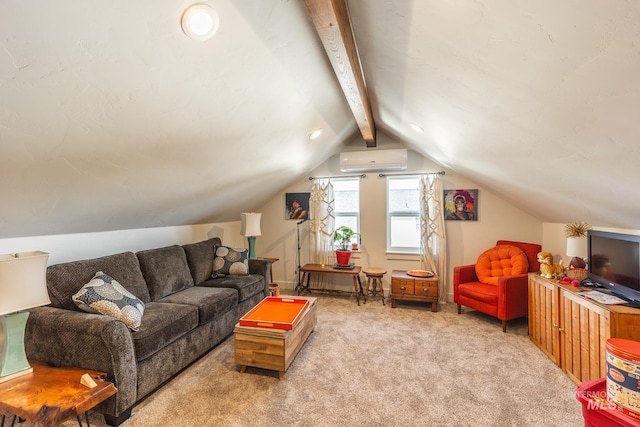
(461,205)
(297,205)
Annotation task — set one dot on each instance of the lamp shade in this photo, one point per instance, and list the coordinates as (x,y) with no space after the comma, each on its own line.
(250,225)
(577,247)
(23,283)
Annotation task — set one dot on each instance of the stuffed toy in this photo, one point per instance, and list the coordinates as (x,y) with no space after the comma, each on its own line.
(548,269)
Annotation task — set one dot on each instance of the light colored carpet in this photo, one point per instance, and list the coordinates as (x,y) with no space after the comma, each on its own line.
(376,366)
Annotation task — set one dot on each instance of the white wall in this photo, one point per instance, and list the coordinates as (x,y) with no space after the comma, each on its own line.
(70,247)
(497,219)
(555,241)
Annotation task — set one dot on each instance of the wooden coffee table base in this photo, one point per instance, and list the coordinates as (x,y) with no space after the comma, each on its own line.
(272,349)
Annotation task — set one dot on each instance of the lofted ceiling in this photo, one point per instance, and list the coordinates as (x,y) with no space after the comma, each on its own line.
(111,118)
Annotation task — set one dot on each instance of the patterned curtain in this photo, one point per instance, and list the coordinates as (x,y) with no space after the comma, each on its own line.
(322,222)
(433,243)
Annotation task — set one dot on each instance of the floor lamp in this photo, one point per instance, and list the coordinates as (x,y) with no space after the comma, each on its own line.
(298,258)
(23,285)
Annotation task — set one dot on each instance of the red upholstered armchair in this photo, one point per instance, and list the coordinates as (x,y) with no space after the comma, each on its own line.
(497,284)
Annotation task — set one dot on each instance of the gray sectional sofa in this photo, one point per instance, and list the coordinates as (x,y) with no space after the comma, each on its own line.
(186,314)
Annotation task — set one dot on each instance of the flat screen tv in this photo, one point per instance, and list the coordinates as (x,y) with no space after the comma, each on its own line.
(614,262)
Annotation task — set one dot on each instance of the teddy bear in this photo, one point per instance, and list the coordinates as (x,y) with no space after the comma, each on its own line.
(548,269)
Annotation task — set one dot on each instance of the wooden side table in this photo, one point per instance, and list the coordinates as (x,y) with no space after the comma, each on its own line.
(49,396)
(273,260)
(307,269)
(410,288)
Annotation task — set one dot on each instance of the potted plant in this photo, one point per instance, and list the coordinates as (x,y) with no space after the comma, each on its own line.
(342,237)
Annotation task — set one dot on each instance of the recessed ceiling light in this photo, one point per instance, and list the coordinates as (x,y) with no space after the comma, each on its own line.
(200,22)
(416,127)
(316,133)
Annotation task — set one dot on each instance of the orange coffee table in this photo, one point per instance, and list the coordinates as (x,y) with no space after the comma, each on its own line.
(269,347)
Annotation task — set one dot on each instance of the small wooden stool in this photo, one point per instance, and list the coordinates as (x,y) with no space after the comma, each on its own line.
(374,277)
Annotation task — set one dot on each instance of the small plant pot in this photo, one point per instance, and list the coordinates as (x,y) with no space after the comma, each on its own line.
(354,246)
(343,257)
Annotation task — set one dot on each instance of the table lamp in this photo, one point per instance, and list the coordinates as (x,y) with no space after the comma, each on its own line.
(577,250)
(251,228)
(23,285)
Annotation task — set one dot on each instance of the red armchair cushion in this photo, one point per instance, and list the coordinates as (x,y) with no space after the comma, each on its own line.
(481,292)
(501,260)
(530,250)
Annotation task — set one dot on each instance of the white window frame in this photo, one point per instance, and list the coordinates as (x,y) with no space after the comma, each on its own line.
(338,215)
(402,214)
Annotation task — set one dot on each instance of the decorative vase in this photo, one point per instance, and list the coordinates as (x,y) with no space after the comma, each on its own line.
(343,257)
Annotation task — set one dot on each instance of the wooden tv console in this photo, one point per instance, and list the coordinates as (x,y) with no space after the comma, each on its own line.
(573,330)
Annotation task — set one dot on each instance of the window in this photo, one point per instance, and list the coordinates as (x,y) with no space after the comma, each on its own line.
(346,193)
(403,214)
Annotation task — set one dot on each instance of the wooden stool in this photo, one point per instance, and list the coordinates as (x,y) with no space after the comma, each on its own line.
(374,277)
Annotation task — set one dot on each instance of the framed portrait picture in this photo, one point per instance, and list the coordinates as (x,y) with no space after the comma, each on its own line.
(297,205)
(461,205)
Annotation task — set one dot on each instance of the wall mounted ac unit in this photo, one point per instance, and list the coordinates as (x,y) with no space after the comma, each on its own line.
(373,160)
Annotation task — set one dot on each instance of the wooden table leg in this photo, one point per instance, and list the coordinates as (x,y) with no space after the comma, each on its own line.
(301,284)
(356,281)
(381,290)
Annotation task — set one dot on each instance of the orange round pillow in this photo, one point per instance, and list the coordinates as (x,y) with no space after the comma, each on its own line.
(501,260)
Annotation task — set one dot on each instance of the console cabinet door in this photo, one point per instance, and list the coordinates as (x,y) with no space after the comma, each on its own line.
(544,318)
(585,328)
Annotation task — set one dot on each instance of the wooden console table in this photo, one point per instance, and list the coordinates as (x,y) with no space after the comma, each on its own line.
(49,396)
(573,330)
(307,269)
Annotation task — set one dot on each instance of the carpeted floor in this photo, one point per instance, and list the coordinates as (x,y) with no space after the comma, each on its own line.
(371,365)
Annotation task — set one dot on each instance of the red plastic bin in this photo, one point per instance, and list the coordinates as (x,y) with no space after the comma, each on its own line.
(595,408)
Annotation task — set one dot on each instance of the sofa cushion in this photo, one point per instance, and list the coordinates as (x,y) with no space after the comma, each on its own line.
(211,302)
(247,286)
(64,280)
(200,258)
(162,324)
(499,261)
(104,295)
(165,270)
(230,262)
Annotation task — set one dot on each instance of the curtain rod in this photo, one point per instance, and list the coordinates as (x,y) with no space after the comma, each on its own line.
(364,175)
(382,175)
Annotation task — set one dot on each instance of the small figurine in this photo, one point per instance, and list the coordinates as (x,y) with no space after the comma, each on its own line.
(548,269)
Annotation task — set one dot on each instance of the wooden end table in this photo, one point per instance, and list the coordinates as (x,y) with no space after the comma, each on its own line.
(49,396)
(411,288)
(307,269)
(273,261)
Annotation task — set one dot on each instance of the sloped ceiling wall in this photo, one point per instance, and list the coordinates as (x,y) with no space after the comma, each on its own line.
(111,118)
